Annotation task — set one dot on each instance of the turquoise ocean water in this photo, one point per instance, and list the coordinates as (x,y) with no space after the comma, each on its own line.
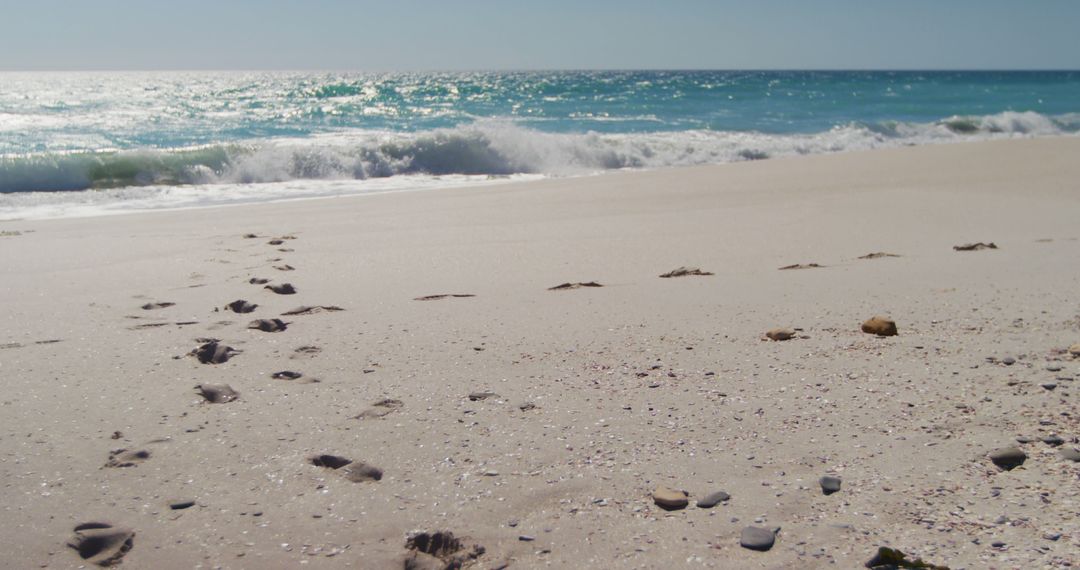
(94,143)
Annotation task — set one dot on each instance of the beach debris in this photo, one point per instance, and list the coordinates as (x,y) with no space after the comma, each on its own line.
(241,306)
(881,326)
(878,255)
(801,266)
(282,289)
(181,505)
(685,271)
(670,499)
(579,285)
(125,458)
(712,499)
(975,246)
(217,393)
(527,406)
(440,550)
(757,538)
(268,325)
(380,409)
(780,334)
(480,396)
(101,543)
(160,305)
(444,296)
(355,471)
(829,484)
(892,559)
(286,375)
(305,310)
(1008,458)
(213,352)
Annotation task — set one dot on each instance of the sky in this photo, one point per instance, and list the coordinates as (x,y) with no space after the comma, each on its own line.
(389,35)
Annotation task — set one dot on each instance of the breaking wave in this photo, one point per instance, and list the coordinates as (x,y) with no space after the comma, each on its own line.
(482,148)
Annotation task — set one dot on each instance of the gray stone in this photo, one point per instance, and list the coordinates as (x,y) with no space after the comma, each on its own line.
(1049,385)
(757,538)
(1071,454)
(1008,361)
(713,499)
(1053,367)
(829,484)
(1008,458)
(1054,440)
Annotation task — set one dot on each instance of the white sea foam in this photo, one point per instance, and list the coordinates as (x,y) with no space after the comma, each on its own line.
(365,161)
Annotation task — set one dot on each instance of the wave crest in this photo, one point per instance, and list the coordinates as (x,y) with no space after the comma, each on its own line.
(482,148)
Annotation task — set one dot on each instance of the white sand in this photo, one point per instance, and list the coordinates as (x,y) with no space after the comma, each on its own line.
(905,421)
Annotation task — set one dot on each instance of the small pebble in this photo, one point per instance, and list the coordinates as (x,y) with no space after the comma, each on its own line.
(757,538)
(713,499)
(829,484)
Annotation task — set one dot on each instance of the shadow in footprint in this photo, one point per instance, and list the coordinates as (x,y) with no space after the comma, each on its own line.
(567,286)
(381,409)
(355,471)
(258,281)
(268,325)
(684,272)
(444,296)
(878,255)
(305,310)
(161,305)
(285,267)
(102,543)
(282,289)
(802,266)
(213,352)
(241,306)
(217,393)
(306,351)
(975,246)
(126,458)
(440,549)
(286,375)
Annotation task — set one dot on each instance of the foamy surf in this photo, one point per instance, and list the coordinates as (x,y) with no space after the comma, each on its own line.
(88,144)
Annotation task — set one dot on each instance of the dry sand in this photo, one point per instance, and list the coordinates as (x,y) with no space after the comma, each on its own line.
(596,395)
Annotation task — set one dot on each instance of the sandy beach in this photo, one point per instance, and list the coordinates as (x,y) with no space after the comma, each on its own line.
(535,424)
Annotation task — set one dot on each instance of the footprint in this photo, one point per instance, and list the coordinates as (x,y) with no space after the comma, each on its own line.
(579,285)
(381,409)
(268,325)
(308,351)
(241,306)
(444,296)
(355,471)
(975,246)
(802,266)
(125,458)
(305,310)
(285,267)
(250,236)
(286,375)
(282,289)
(258,281)
(480,396)
(147,326)
(275,242)
(102,543)
(217,393)
(684,271)
(161,305)
(439,549)
(877,255)
(213,352)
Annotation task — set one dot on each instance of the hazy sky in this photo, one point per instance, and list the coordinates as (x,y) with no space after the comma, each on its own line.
(551,34)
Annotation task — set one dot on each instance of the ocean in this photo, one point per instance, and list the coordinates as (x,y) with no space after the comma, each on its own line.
(82,144)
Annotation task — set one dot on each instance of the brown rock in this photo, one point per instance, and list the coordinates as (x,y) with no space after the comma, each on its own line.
(669,499)
(780,334)
(881,326)
(1075,349)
